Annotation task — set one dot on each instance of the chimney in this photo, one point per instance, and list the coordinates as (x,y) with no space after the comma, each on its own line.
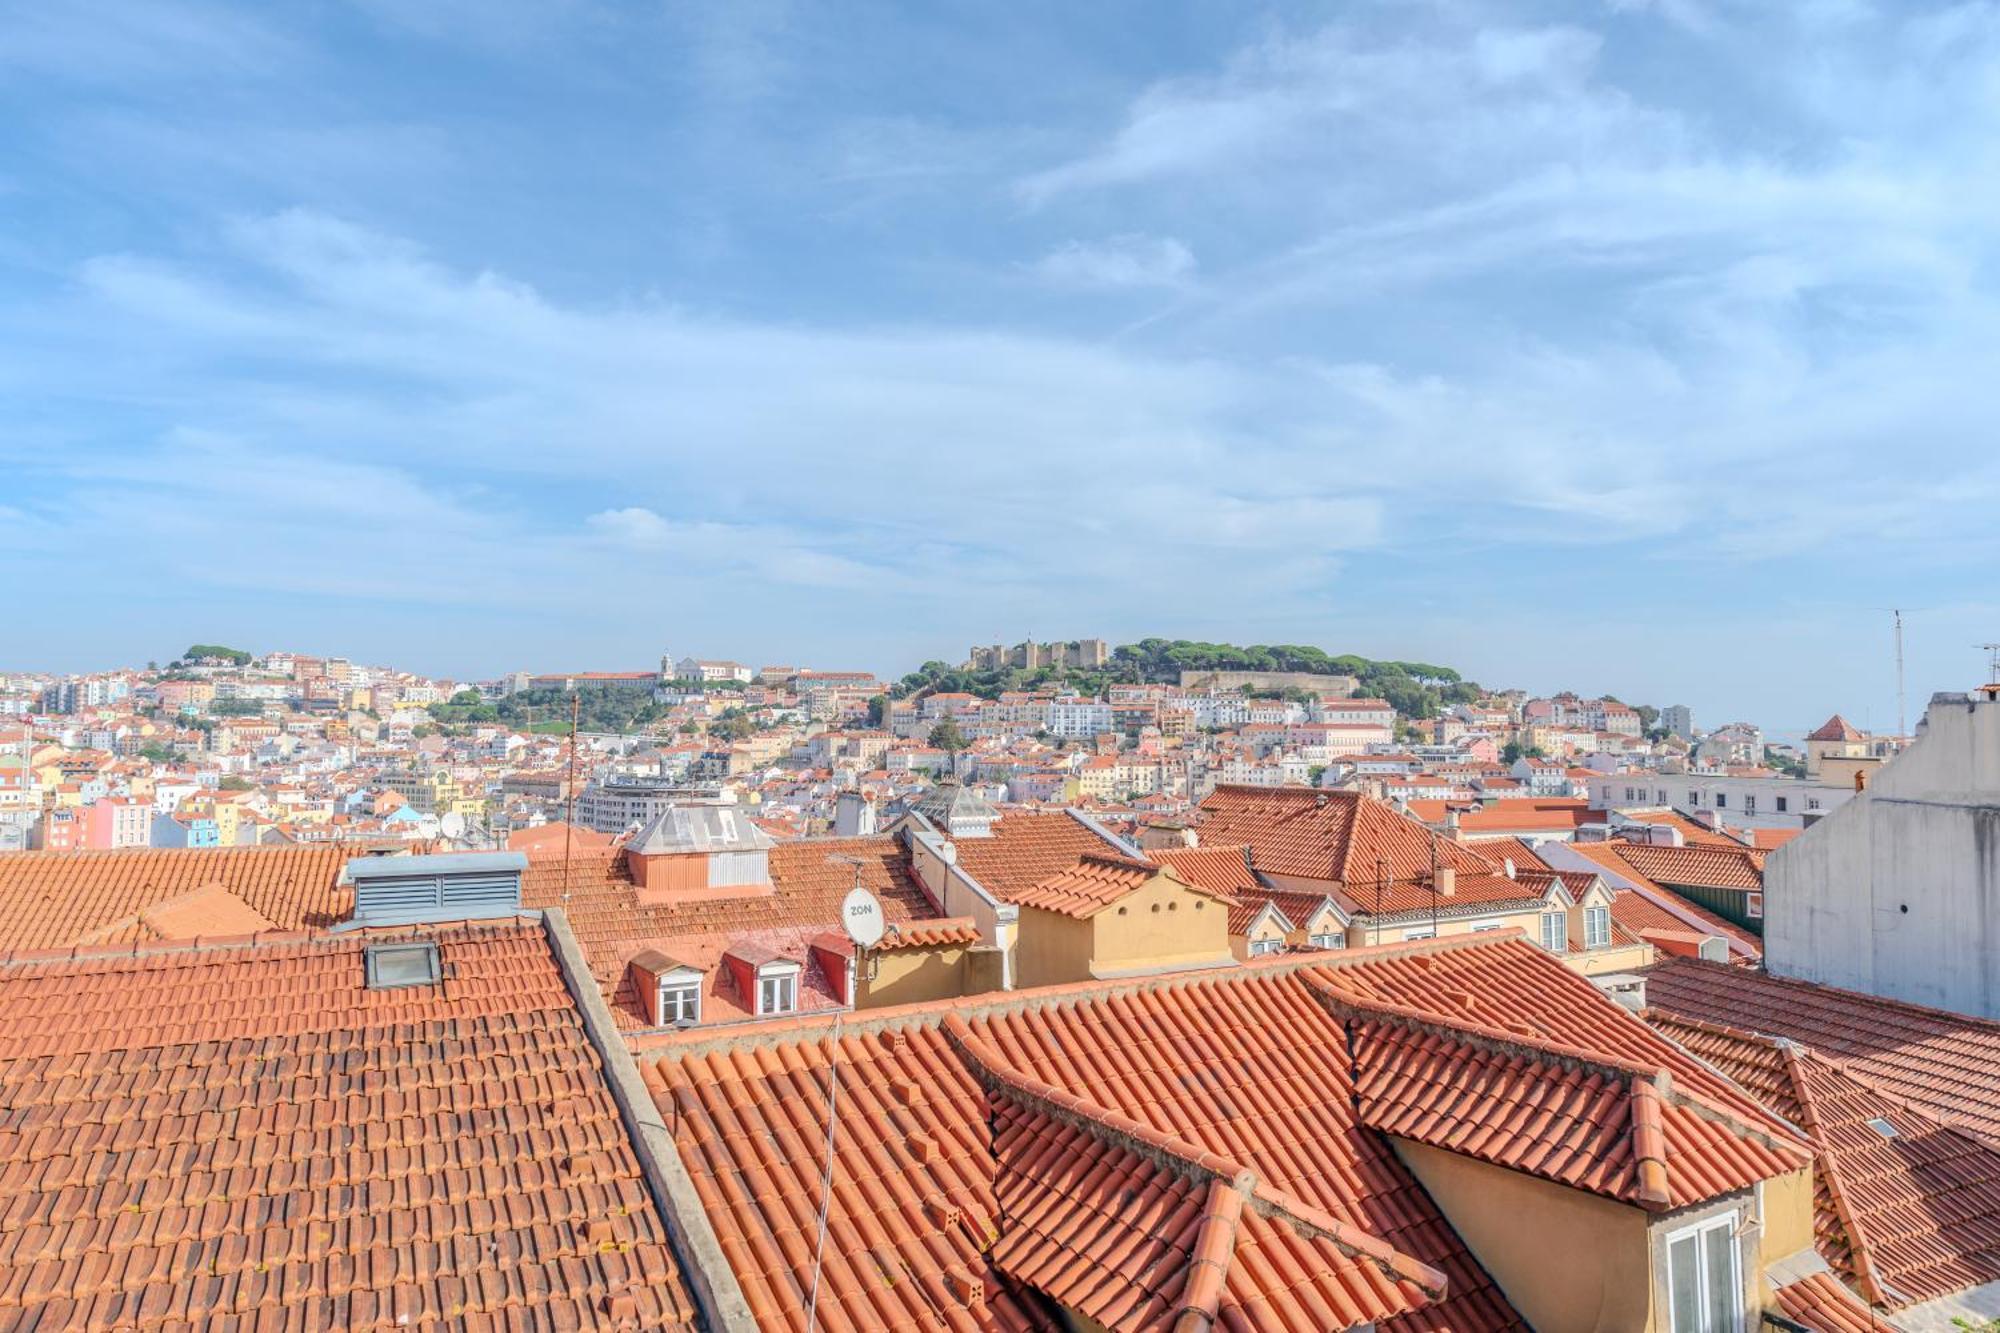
(1447,882)
(1451,822)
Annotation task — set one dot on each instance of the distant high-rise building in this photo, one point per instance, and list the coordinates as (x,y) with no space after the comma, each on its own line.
(1678,719)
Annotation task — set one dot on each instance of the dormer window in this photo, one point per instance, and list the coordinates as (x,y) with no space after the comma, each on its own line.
(680,1000)
(1329,940)
(1555,932)
(778,993)
(1260,948)
(1596,927)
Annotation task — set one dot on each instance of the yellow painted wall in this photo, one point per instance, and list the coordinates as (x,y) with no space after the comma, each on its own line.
(1599,961)
(910,976)
(1160,924)
(1787,1207)
(1051,948)
(1570,1262)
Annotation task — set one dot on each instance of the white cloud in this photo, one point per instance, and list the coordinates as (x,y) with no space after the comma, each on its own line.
(1131,260)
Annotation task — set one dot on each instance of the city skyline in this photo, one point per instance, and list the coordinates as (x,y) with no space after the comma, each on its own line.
(1486,336)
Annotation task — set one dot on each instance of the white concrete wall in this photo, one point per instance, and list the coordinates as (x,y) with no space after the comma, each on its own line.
(1898,891)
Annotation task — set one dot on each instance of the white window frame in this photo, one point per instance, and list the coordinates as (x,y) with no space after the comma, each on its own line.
(1419,933)
(1703,1279)
(1554,925)
(1485,924)
(680,1001)
(1753,906)
(1330,939)
(1262,948)
(1596,927)
(778,986)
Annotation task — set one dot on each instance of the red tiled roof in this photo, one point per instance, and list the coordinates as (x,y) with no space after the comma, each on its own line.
(1649,911)
(1332,835)
(1501,850)
(931,934)
(1692,833)
(1088,887)
(612,924)
(1943,1063)
(1824,1306)
(1714,867)
(1252,1066)
(1076,1186)
(1223,869)
(1835,728)
(212,1137)
(1908,1218)
(1510,815)
(1026,847)
(209,910)
(52,899)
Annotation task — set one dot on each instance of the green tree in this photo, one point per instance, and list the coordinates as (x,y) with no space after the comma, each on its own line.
(231,782)
(217,653)
(878,709)
(236,708)
(947,737)
(1510,752)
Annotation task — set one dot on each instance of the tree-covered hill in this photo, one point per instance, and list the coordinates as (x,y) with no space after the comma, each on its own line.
(1416,689)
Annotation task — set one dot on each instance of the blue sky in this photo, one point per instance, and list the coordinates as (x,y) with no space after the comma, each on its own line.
(1644,347)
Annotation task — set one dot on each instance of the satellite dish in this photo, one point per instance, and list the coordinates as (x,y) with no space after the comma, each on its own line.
(452,825)
(861,914)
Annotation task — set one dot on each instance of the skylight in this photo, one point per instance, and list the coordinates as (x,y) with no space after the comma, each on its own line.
(395,965)
(1882,1127)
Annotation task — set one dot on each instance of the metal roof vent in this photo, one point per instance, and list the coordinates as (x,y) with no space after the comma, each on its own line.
(392,966)
(403,890)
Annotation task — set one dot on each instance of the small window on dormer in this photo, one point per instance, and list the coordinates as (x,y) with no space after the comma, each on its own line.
(1596,927)
(778,995)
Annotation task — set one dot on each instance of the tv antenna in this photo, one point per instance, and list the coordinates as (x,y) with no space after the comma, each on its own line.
(1992,651)
(1902,711)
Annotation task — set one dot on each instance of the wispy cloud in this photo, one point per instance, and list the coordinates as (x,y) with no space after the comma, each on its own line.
(1121,261)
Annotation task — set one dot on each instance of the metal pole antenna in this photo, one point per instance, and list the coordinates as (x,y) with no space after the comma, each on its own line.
(569,817)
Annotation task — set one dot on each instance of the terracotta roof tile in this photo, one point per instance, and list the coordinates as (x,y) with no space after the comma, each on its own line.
(1942,1062)
(1824,1306)
(1341,836)
(1715,867)
(1088,887)
(1026,847)
(1908,1217)
(209,1137)
(1221,868)
(598,895)
(52,899)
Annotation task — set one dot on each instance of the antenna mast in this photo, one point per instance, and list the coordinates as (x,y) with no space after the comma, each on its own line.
(1992,662)
(569,791)
(1902,712)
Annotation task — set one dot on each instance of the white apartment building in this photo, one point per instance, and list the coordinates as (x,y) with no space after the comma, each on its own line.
(1078,719)
(1775,803)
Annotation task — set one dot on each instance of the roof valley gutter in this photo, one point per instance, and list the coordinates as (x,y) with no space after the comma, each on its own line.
(693,1238)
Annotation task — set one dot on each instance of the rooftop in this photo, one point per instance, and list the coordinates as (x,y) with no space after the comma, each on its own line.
(203,1137)
(978,1138)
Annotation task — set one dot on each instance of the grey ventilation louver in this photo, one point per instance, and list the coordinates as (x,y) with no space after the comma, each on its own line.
(402,890)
